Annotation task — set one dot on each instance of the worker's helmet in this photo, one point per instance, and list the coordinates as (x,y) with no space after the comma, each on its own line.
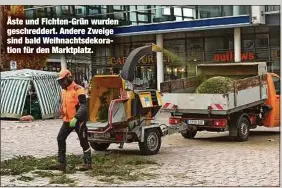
(63,74)
(65,78)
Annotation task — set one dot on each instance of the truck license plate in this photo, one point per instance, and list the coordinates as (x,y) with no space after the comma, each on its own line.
(196,122)
(101,135)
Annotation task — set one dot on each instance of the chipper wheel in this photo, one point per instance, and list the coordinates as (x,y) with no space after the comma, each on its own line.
(152,142)
(99,146)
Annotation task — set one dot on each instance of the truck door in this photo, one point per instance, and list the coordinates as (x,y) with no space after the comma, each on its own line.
(276,81)
(272,118)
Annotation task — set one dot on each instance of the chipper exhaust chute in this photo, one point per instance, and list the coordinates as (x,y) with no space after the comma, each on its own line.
(133,59)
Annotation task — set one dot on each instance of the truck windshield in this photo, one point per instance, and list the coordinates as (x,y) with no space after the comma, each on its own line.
(276,82)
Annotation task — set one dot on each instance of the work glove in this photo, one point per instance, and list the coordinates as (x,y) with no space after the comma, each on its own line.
(73,122)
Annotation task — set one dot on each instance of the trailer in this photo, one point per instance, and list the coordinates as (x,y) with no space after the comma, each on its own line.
(252,101)
(148,136)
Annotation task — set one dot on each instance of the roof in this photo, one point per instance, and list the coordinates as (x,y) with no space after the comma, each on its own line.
(27,74)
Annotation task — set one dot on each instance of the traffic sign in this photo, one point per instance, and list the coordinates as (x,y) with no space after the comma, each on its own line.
(13,65)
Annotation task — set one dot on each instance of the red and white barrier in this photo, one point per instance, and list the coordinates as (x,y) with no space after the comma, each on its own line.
(169,106)
(216,107)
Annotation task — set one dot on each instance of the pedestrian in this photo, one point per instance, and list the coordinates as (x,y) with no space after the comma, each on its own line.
(86,84)
(74,114)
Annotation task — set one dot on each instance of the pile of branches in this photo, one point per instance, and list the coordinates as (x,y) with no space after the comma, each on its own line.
(216,85)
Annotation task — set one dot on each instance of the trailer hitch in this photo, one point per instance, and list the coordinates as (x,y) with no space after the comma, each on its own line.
(209,110)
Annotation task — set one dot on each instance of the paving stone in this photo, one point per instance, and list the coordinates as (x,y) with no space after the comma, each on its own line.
(207,160)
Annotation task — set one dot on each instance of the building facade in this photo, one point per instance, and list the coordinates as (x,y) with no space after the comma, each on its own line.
(191,35)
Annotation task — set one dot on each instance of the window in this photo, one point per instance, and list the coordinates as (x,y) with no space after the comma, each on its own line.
(28,6)
(274,36)
(29,13)
(143,18)
(244,9)
(175,46)
(49,12)
(40,12)
(188,12)
(65,10)
(143,9)
(261,40)
(213,44)
(78,11)
(166,11)
(270,8)
(178,18)
(276,82)
(227,10)
(117,7)
(177,11)
(210,11)
(119,16)
(194,49)
(180,12)
(248,43)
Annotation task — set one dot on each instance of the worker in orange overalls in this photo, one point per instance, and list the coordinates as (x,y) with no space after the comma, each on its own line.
(74,113)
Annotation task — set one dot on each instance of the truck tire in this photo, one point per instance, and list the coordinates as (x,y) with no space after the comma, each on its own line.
(99,146)
(152,142)
(190,133)
(243,129)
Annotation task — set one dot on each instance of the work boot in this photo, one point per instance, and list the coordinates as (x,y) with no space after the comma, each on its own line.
(87,161)
(59,166)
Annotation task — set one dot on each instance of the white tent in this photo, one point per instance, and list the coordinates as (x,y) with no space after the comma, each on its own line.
(15,87)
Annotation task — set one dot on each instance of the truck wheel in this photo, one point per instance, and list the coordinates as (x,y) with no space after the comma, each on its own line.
(152,142)
(243,129)
(99,146)
(191,133)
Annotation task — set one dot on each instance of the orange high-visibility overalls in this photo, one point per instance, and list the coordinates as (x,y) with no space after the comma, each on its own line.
(70,101)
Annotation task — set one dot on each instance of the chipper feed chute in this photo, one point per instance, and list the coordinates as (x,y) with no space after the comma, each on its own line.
(104,89)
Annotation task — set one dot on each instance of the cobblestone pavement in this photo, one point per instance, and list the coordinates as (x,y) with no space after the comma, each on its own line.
(211,159)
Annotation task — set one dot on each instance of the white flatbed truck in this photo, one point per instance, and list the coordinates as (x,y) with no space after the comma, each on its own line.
(252,101)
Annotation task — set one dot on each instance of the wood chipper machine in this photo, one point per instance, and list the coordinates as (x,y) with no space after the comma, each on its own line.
(119,114)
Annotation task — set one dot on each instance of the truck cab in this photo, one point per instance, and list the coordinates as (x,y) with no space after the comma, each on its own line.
(272,117)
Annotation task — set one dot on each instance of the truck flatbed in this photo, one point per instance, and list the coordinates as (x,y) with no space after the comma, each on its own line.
(244,93)
(219,104)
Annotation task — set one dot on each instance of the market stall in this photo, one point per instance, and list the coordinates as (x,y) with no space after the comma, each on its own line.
(29,92)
